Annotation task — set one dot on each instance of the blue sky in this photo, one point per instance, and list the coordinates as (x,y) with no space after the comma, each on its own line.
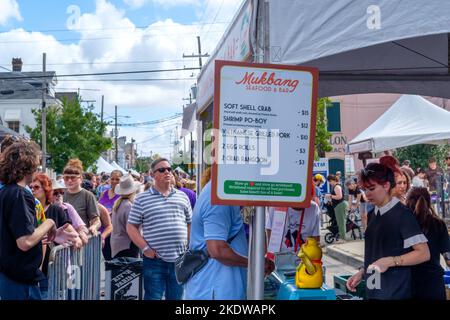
(110,43)
(52,15)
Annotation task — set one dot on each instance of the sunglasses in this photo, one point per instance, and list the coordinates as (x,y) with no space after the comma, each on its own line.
(35,187)
(73,177)
(58,193)
(367,172)
(162,170)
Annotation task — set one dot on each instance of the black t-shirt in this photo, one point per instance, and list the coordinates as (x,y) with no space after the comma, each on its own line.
(18,219)
(385,237)
(334,201)
(57,214)
(355,193)
(428,276)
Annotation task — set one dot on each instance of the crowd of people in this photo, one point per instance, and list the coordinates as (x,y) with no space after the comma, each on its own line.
(158,218)
(404,239)
(37,213)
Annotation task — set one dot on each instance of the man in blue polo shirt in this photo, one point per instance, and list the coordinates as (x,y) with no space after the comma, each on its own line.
(219,230)
(164,213)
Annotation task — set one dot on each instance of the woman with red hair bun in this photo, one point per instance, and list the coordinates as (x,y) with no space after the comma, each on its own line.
(42,190)
(402,180)
(393,240)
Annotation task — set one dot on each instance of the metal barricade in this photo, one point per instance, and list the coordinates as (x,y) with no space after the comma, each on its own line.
(74,274)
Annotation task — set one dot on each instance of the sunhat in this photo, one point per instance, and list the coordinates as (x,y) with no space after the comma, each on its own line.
(57,185)
(127,185)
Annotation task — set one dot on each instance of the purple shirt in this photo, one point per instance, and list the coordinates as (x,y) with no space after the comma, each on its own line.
(191,195)
(107,202)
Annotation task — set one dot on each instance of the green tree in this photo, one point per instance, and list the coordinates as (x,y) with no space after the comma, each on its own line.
(322,139)
(143,163)
(420,153)
(72,132)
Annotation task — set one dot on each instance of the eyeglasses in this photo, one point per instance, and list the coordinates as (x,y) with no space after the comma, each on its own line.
(162,170)
(58,193)
(72,177)
(35,187)
(367,172)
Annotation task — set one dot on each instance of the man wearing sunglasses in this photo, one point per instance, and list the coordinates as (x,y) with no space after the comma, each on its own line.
(164,214)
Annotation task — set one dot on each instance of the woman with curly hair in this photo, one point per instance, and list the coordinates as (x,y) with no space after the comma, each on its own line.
(82,200)
(20,248)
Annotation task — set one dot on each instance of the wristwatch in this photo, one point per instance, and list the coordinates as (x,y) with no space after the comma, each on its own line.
(396,261)
(145,248)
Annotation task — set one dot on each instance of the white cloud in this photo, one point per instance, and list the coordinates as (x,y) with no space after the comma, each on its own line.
(135,4)
(118,40)
(9,9)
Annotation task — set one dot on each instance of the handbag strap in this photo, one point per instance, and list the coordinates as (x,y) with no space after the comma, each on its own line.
(299,239)
(232,238)
(228,241)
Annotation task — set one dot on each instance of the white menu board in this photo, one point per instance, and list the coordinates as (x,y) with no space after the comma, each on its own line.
(265,117)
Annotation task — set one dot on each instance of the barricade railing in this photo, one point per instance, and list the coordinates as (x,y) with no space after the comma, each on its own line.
(74,274)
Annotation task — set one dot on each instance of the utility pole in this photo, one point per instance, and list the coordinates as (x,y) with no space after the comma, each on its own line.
(115,137)
(101,114)
(44,114)
(191,172)
(132,152)
(199,55)
(200,62)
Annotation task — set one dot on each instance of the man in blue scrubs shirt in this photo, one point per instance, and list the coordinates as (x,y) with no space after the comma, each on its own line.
(224,277)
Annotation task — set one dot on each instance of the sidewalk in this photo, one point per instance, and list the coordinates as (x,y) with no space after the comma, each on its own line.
(350,253)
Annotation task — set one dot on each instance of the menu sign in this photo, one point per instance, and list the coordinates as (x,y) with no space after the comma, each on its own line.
(264,120)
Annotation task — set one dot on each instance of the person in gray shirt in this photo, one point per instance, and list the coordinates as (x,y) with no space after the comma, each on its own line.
(82,200)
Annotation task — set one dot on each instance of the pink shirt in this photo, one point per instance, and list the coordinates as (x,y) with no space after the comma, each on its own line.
(73,215)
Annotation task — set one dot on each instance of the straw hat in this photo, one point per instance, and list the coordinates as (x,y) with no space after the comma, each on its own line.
(57,185)
(127,185)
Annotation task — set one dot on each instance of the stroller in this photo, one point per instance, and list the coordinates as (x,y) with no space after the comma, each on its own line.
(352,224)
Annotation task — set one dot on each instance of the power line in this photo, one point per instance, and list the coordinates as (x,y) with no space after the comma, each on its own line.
(154,137)
(215,17)
(78,89)
(128,80)
(103,73)
(103,62)
(122,28)
(103,38)
(175,116)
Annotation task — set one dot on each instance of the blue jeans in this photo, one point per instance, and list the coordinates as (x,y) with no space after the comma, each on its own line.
(159,278)
(12,290)
(43,288)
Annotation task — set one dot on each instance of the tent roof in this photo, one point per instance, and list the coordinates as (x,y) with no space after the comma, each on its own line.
(365,47)
(117,167)
(103,166)
(410,120)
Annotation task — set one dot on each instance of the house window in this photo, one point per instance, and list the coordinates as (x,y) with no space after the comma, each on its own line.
(14,125)
(334,117)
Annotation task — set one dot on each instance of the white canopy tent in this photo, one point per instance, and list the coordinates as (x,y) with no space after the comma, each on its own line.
(103,166)
(410,120)
(117,167)
(134,172)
